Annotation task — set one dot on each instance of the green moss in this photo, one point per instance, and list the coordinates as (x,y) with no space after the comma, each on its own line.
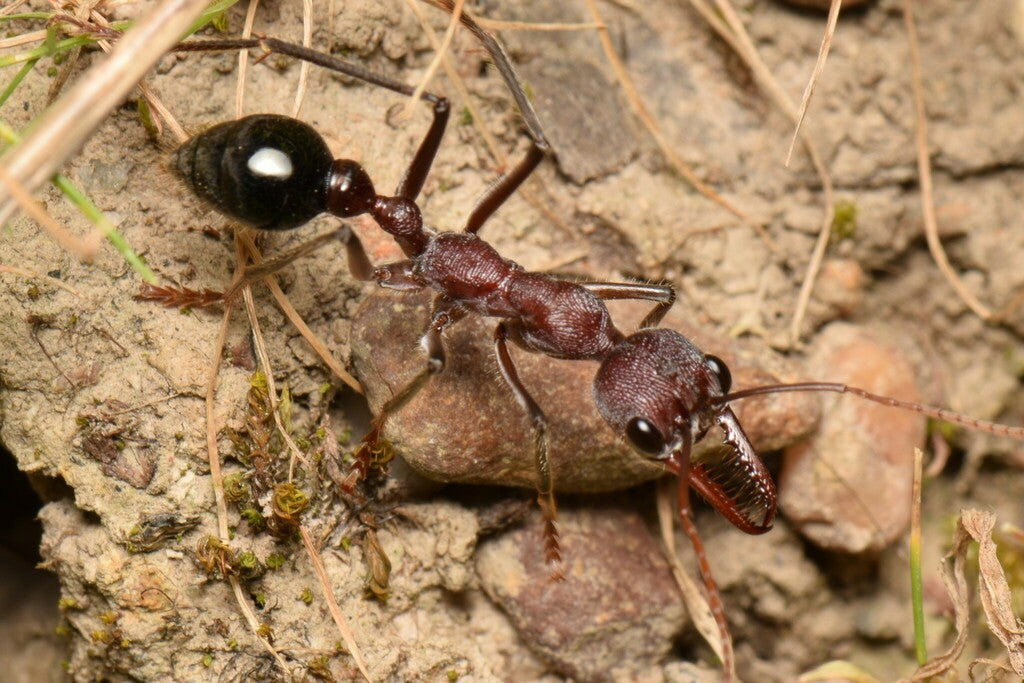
(844,220)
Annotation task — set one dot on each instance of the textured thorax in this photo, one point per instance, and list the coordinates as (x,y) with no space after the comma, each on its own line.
(551,316)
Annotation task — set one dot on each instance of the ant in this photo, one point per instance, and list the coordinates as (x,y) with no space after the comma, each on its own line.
(654,388)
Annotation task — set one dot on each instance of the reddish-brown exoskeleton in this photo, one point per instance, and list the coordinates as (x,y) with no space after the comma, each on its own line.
(654,388)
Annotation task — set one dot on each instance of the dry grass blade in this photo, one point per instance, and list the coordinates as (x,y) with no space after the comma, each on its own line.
(732,31)
(439,54)
(268,373)
(216,478)
(22,39)
(31,274)
(640,109)
(994,590)
(307,41)
(955,578)
(332,604)
(696,604)
(84,249)
(502,25)
(924,169)
(529,190)
(243,59)
(819,66)
(64,127)
(297,321)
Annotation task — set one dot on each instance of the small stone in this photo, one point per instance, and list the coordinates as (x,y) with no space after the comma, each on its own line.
(465,426)
(848,487)
(840,285)
(616,613)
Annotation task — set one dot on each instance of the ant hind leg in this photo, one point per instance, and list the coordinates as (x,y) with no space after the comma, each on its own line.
(545,482)
(664,295)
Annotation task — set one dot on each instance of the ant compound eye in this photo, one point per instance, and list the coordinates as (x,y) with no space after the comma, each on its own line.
(644,436)
(721,370)
(269,172)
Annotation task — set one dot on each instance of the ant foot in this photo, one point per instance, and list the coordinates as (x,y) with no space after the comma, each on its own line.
(553,551)
(371,455)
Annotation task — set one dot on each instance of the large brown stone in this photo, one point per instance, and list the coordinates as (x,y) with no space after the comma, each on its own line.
(465,426)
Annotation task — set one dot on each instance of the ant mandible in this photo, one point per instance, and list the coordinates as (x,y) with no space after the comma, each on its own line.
(654,388)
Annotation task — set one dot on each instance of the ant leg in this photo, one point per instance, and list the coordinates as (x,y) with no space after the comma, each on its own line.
(330,62)
(664,295)
(545,485)
(445,313)
(412,182)
(503,188)
(679,464)
(358,262)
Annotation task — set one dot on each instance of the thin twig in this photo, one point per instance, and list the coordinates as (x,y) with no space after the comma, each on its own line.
(924,170)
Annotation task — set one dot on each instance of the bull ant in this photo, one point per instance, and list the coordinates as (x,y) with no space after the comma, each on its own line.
(653,387)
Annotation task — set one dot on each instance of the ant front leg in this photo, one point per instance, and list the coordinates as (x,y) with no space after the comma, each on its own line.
(371,452)
(545,482)
(664,295)
(412,182)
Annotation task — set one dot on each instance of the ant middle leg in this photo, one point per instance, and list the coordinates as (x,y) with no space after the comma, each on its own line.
(503,188)
(539,421)
(664,295)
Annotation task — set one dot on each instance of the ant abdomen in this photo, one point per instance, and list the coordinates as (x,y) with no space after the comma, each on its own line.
(270,172)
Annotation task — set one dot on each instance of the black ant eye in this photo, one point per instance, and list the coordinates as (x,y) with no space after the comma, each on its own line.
(721,370)
(644,436)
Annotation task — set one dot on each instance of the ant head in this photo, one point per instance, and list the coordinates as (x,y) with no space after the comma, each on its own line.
(270,172)
(662,394)
(655,388)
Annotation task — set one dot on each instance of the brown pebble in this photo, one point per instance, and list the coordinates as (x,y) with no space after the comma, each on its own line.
(848,487)
(616,613)
(840,285)
(465,426)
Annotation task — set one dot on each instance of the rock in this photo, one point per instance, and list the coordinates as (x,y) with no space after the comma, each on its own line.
(848,487)
(465,426)
(616,613)
(582,118)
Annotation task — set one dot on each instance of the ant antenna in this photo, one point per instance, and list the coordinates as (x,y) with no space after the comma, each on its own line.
(943,414)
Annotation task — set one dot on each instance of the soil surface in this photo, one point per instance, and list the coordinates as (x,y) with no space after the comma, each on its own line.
(103,396)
